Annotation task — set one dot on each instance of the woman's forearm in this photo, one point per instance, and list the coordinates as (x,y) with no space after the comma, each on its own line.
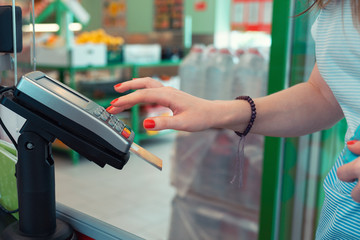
(296,111)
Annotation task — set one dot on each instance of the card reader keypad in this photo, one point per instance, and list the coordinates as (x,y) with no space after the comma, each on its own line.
(113,121)
(105,115)
(97,112)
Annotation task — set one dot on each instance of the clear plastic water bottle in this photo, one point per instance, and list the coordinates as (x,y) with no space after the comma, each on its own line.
(218,76)
(250,74)
(238,84)
(210,58)
(191,72)
(260,67)
(209,54)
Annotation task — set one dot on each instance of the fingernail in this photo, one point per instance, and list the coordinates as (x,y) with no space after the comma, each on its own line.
(117,85)
(149,123)
(114,101)
(351,142)
(109,108)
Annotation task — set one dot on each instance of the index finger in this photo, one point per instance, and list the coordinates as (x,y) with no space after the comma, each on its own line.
(157,95)
(137,83)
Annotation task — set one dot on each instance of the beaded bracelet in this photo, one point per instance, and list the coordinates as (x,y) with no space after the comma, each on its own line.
(253,115)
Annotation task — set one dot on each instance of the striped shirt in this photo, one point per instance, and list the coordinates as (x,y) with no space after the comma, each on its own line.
(338,58)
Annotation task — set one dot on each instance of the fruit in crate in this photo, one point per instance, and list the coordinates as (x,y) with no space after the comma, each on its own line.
(53,41)
(100,36)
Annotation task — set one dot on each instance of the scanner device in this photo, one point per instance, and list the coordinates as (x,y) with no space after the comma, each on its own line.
(75,113)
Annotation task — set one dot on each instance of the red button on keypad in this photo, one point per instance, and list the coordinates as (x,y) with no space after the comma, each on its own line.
(126,133)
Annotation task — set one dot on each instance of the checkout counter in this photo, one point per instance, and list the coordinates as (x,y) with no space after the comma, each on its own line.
(85,226)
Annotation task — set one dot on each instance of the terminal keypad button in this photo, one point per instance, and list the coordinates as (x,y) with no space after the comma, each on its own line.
(97,112)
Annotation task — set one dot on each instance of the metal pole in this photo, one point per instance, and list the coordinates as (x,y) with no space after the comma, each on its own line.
(14,41)
(33,23)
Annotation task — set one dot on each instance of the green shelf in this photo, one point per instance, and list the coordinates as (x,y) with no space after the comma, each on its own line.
(110,66)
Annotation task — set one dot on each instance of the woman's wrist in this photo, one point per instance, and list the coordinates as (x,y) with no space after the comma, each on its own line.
(232,115)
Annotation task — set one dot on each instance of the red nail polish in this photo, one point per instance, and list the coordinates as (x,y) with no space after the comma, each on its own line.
(117,85)
(114,101)
(149,123)
(351,142)
(109,108)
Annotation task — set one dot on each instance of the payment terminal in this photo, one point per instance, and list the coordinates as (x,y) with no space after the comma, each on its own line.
(77,114)
(82,118)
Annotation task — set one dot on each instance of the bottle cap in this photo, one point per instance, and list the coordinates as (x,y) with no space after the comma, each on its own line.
(239,52)
(255,51)
(197,49)
(224,51)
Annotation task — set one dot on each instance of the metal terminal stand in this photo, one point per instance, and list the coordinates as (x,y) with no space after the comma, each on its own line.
(36,188)
(36,193)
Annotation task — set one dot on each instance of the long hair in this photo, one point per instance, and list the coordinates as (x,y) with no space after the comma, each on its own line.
(320,4)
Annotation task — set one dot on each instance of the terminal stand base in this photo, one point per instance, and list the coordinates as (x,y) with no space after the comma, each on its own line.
(63,232)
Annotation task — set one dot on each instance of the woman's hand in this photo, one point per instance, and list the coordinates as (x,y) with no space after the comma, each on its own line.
(351,171)
(189,113)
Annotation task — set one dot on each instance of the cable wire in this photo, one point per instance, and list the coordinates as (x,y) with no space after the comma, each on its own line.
(2,90)
(2,208)
(8,133)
